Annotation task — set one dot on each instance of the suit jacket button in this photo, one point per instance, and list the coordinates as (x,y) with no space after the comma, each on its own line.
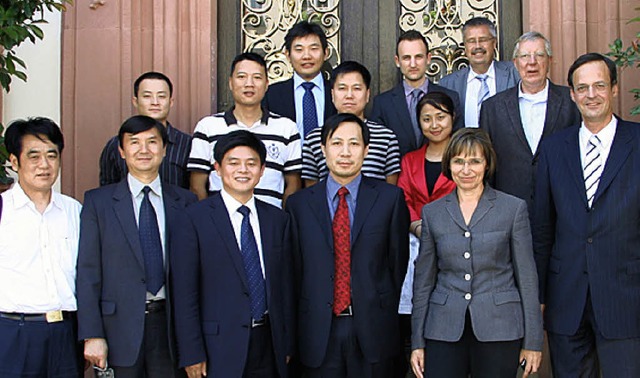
(467,277)
(467,255)
(329,304)
(467,296)
(467,234)
(589,240)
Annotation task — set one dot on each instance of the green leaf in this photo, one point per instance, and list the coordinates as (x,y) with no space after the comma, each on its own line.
(37,31)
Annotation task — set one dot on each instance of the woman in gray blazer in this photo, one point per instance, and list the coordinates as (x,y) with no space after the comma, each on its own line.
(475,293)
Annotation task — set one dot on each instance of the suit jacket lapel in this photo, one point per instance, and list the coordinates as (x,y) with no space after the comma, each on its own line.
(400,104)
(222,225)
(574,165)
(554,103)
(288,97)
(512,107)
(618,154)
(318,204)
(171,201)
(367,195)
(501,77)
(123,208)
(453,208)
(328,101)
(266,236)
(484,205)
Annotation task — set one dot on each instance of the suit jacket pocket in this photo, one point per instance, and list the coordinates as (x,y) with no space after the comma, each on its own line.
(210,328)
(438,298)
(503,297)
(108,308)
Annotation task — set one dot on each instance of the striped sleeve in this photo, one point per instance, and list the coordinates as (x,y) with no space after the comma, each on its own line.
(393,155)
(311,161)
(294,148)
(201,155)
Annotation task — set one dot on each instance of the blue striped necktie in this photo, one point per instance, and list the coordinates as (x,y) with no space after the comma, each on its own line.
(151,244)
(309,112)
(252,266)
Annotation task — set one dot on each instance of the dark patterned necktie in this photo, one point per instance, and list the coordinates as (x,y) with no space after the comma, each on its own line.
(309,112)
(151,244)
(342,249)
(252,267)
(416,95)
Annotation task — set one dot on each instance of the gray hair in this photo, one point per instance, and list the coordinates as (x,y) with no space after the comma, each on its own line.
(532,36)
(480,21)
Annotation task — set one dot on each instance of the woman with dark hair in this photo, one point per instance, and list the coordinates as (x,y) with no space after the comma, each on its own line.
(422,182)
(475,289)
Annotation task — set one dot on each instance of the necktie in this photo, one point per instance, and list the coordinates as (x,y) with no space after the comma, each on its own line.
(252,267)
(416,94)
(592,168)
(309,113)
(483,93)
(151,244)
(342,249)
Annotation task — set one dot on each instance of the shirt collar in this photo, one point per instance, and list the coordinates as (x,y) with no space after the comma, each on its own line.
(408,89)
(352,187)
(491,73)
(318,80)
(535,97)
(605,135)
(233,204)
(21,199)
(230,119)
(136,186)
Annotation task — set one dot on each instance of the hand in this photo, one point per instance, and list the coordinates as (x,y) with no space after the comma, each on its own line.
(197,370)
(287,360)
(533,361)
(417,362)
(95,351)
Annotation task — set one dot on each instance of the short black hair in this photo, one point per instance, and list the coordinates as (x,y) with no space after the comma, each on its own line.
(349,66)
(593,57)
(332,123)
(412,35)
(153,76)
(138,124)
(40,127)
(438,100)
(248,56)
(239,138)
(303,29)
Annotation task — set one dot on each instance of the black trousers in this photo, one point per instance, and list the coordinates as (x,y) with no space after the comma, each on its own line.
(469,356)
(261,361)
(38,349)
(587,353)
(154,359)
(344,358)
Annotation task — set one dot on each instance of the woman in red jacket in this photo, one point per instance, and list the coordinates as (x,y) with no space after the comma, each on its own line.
(422,182)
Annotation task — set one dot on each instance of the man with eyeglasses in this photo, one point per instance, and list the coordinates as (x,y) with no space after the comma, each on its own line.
(585,232)
(519,118)
(484,76)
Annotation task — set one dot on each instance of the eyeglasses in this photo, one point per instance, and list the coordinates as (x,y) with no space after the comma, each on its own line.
(538,55)
(472,163)
(481,40)
(599,87)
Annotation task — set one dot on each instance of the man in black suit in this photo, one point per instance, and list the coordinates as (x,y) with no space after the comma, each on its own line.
(306,48)
(123,260)
(585,232)
(231,273)
(349,264)
(520,117)
(396,108)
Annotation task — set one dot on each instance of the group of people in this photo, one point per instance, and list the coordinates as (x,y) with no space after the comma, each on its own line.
(293,236)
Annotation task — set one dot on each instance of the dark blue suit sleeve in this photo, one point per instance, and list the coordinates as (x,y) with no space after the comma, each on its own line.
(399,240)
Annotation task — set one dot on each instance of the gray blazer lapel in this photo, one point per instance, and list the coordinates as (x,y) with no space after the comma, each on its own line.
(123,208)
(485,204)
(453,208)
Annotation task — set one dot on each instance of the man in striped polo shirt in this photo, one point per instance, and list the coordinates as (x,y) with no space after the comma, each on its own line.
(248,83)
(350,93)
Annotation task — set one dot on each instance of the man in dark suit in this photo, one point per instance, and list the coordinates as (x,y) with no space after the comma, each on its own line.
(349,264)
(232,273)
(484,76)
(586,235)
(306,48)
(519,118)
(123,261)
(396,108)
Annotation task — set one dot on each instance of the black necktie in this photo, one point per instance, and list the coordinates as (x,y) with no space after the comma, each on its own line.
(151,244)
(252,266)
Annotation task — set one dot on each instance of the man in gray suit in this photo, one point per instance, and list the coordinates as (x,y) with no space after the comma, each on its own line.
(484,76)
(519,118)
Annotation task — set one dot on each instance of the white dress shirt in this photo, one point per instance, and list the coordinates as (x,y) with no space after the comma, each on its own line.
(38,253)
(471,114)
(318,95)
(232,205)
(155,197)
(533,112)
